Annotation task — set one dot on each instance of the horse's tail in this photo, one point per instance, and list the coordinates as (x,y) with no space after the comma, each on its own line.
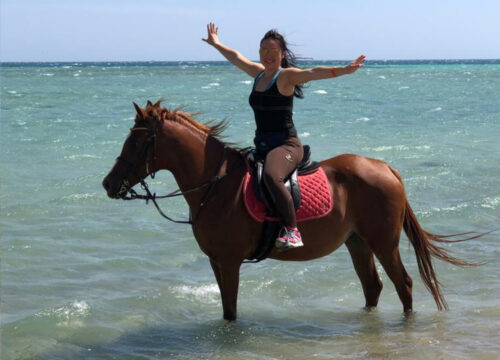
(425,248)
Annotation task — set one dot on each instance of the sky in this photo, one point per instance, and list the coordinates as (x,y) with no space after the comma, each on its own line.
(165,30)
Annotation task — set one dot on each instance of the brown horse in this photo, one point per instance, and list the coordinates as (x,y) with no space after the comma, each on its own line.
(370,210)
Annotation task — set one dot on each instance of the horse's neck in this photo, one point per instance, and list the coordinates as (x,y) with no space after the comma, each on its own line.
(192,159)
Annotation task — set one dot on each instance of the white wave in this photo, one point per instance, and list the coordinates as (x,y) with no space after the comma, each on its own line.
(305,134)
(78,197)
(247,82)
(436,109)
(263,285)
(399,148)
(211,85)
(382,148)
(75,310)
(491,203)
(205,293)
(81,156)
(302,272)
(320,92)
(404,87)
(12,92)
(80,307)
(364,118)
(47,74)
(451,208)
(382,77)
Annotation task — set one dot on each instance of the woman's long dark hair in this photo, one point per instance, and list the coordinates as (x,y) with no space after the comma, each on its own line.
(289,60)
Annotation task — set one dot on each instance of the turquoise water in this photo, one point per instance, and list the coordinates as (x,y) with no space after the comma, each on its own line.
(83,276)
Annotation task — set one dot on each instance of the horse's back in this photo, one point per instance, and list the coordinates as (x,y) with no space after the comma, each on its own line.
(360,170)
(369,191)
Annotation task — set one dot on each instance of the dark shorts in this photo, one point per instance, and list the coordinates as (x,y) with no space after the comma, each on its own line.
(266,142)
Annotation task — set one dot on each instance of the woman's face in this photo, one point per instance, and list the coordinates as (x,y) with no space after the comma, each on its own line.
(270,54)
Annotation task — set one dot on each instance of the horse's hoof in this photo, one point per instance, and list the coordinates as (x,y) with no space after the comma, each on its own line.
(230,318)
(408,313)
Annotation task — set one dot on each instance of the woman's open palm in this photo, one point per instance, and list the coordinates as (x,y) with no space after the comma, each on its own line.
(355,65)
(212,37)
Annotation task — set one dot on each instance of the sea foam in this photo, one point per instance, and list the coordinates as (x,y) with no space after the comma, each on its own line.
(205,293)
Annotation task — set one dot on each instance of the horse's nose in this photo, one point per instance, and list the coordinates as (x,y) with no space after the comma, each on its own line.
(105,184)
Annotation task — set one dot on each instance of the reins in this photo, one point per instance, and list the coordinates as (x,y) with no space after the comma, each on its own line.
(152,196)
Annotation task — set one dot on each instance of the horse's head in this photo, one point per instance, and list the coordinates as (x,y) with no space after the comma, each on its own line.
(137,158)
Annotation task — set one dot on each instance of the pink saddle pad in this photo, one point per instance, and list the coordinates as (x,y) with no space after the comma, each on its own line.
(315,191)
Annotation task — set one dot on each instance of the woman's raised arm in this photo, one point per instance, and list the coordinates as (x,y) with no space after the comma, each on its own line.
(233,56)
(296,76)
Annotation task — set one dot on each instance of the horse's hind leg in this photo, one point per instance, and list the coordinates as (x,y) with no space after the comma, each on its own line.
(393,266)
(364,264)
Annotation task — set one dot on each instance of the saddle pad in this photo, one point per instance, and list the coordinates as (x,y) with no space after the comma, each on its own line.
(315,191)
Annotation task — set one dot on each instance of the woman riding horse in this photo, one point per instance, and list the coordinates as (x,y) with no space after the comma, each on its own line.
(370,209)
(277,81)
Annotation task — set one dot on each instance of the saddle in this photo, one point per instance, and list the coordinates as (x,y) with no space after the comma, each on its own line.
(308,186)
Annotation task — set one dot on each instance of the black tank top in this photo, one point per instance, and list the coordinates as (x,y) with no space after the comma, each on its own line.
(273,111)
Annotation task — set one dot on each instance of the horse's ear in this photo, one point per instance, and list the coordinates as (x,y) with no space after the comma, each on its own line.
(138,109)
(158,103)
(149,103)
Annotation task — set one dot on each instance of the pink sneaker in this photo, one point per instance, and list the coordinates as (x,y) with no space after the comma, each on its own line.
(289,238)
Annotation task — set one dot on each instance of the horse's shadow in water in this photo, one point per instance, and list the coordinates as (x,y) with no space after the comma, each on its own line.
(212,337)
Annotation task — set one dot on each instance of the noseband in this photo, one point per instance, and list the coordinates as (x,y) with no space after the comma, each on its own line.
(132,169)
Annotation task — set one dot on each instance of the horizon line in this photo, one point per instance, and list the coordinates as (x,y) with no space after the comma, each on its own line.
(226,61)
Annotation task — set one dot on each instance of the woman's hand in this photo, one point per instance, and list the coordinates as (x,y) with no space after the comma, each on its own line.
(233,56)
(212,37)
(355,65)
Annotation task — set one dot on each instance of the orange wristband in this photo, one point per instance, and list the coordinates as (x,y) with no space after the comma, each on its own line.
(333,72)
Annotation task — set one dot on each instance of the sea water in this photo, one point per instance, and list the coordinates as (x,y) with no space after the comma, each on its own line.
(84,276)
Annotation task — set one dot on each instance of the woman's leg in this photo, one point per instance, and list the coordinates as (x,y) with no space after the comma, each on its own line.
(280,163)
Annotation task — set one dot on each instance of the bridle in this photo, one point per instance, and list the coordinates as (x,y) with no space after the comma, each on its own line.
(146,147)
(146,153)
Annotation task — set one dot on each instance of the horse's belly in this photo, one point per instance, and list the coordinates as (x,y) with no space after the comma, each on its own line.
(321,237)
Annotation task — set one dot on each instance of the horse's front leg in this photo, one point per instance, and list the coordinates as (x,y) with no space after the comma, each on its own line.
(228,278)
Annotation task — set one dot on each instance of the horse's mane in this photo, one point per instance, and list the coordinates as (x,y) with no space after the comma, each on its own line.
(213,129)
